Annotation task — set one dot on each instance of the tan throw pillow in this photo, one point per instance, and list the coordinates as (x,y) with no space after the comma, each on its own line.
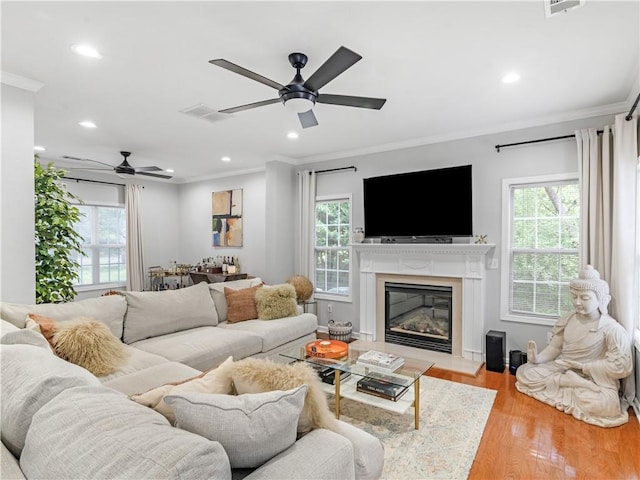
(217,380)
(47,326)
(255,375)
(241,304)
(89,344)
(278,301)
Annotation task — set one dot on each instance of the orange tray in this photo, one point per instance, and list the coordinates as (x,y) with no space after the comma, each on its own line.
(327,349)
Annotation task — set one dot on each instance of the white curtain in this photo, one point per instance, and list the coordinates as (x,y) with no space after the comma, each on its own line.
(608,172)
(306,220)
(133,211)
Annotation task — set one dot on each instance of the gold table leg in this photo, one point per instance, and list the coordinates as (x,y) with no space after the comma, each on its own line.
(416,402)
(337,380)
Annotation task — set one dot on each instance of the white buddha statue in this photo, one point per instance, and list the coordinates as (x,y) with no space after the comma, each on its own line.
(579,371)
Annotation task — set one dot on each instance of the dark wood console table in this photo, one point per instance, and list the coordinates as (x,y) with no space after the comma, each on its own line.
(197,277)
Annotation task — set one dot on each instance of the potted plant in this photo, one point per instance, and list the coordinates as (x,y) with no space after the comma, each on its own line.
(55,236)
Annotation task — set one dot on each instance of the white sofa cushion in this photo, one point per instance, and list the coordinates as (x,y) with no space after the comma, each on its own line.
(31,377)
(138,360)
(252,428)
(109,310)
(216,291)
(151,314)
(95,432)
(151,377)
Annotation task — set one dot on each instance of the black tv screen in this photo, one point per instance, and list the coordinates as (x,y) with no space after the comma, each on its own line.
(430,204)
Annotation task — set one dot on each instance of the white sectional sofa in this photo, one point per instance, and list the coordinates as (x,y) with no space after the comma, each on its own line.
(89,427)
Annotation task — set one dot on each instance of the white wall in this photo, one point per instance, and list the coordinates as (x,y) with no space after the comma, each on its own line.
(195,222)
(17,233)
(489,168)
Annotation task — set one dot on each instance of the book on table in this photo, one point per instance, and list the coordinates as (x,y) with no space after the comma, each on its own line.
(386,362)
(391,387)
(328,373)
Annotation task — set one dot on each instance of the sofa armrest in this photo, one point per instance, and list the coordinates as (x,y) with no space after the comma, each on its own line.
(9,466)
(320,454)
(368,451)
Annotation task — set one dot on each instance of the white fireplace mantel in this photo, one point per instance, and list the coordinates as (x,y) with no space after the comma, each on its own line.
(460,261)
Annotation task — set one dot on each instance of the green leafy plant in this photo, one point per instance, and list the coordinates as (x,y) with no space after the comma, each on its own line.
(55,236)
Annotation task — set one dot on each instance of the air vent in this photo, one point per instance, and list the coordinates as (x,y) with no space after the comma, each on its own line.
(204,112)
(553,7)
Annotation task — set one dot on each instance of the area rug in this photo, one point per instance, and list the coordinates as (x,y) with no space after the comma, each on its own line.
(452,419)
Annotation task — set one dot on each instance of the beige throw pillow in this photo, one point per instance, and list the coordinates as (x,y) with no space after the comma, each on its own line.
(89,344)
(278,301)
(217,380)
(255,375)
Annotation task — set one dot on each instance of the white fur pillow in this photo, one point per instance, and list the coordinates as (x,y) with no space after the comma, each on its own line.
(278,301)
(217,380)
(254,375)
(89,344)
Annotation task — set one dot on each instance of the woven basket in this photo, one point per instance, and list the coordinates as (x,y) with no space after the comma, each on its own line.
(340,331)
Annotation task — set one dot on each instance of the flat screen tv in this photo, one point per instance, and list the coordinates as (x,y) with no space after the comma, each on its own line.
(430,205)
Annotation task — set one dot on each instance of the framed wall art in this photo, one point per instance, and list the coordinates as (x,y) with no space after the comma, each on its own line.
(226,218)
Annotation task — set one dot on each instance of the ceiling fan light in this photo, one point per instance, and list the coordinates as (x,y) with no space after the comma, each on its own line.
(299,105)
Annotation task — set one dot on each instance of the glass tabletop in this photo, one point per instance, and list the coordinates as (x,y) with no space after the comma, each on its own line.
(358,363)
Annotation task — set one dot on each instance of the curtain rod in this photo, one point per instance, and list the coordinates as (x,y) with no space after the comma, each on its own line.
(94,181)
(498,147)
(627,118)
(633,109)
(336,170)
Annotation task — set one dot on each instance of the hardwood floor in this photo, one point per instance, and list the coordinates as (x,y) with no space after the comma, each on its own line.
(526,439)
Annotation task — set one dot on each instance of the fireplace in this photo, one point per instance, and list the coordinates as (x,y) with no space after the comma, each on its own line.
(460,267)
(418,316)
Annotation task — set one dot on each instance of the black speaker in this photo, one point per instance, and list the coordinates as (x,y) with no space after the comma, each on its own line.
(496,344)
(516,358)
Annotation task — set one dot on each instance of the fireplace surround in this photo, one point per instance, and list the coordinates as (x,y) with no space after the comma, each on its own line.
(458,266)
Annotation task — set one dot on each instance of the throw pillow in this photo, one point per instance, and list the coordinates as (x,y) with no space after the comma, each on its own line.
(217,380)
(278,301)
(252,428)
(47,325)
(89,344)
(241,304)
(254,375)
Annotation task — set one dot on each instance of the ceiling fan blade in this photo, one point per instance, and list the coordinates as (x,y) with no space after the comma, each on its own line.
(89,169)
(307,119)
(153,175)
(349,101)
(220,62)
(147,169)
(67,157)
(337,63)
(250,106)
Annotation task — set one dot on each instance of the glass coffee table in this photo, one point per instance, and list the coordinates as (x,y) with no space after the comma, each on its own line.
(345,377)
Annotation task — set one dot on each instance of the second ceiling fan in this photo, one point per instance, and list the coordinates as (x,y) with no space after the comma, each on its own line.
(302,94)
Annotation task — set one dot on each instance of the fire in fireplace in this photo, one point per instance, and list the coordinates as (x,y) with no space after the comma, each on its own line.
(418,316)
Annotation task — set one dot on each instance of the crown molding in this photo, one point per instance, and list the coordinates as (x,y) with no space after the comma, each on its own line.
(20,82)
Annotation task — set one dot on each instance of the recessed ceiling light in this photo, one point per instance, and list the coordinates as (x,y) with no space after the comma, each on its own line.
(226,159)
(86,51)
(88,124)
(38,148)
(510,77)
(169,170)
(292,135)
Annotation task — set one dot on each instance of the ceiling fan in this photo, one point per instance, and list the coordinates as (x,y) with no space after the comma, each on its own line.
(301,95)
(123,169)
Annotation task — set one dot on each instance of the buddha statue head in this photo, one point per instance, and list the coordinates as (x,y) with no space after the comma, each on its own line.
(589,279)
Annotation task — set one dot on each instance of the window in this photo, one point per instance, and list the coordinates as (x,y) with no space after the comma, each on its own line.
(541,231)
(103,229)
(332,251)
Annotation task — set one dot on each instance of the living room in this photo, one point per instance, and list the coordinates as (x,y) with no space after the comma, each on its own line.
(176,215)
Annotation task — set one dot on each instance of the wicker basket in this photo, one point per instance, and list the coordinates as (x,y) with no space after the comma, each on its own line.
(340,331)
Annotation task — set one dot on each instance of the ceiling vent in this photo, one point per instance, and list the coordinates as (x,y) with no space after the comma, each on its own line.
(553,7)
(204,112)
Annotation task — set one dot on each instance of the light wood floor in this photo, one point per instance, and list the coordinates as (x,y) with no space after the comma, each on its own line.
(526,439)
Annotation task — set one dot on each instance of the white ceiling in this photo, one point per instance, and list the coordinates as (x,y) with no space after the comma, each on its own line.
(438,64)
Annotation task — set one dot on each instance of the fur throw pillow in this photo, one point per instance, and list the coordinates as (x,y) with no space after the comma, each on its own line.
(216,380)
(255,375)
(89,344)
(278,301)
